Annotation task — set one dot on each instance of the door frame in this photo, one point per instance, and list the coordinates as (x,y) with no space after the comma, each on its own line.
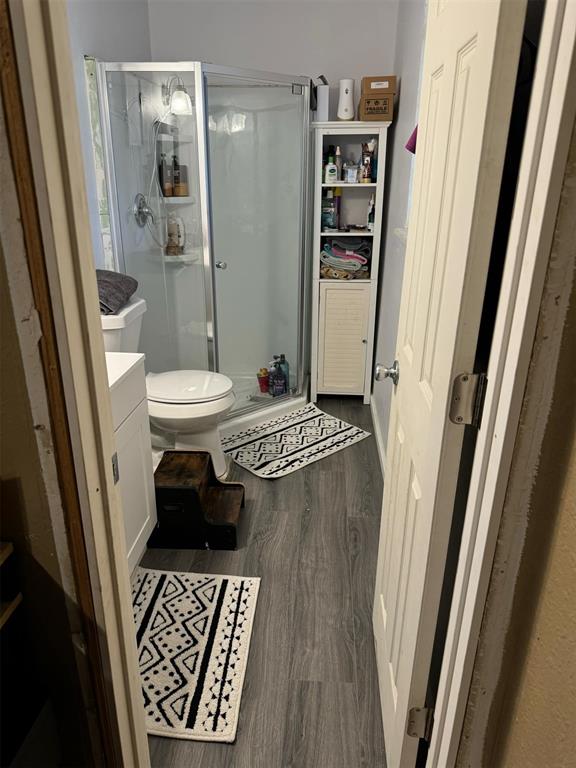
(56,187)
(40,29)
(548,131)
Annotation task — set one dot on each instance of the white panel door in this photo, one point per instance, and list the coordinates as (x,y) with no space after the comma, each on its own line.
(342,342)
(136,482)
(470,62)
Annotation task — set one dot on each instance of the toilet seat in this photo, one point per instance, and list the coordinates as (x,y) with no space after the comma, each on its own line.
(187,387)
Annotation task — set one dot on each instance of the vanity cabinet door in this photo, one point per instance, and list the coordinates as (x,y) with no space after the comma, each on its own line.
(136,482)
(342,330)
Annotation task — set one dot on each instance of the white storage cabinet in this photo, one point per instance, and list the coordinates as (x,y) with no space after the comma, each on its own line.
(343,311)
(127,383)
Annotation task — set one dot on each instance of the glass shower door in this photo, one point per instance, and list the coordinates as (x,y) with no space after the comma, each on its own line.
(153,126)
(257,142)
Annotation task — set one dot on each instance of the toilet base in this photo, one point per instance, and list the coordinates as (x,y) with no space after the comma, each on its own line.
(205,441)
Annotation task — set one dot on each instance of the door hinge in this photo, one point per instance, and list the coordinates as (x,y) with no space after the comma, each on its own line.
(467,401)
(296,89)
(115,469)
(420,722)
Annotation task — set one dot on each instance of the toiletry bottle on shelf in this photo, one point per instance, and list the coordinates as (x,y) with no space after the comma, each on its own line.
(175,172)
(176,236)
(373,149)
(165,173)
(329,214)
(338,164)
(181,188)
(370,221)
(285,368)
(330,171)
(279,382)
(366,168)
(338,204)
(162,170)
(276,380)
(271,375)
(350,172)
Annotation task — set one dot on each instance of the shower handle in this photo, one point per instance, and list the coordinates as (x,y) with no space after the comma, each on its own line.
(142,211)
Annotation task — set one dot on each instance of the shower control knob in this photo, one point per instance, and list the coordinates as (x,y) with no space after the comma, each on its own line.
(388,373)
(221,265)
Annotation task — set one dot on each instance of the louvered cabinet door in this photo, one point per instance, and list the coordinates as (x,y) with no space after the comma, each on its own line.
(342,333)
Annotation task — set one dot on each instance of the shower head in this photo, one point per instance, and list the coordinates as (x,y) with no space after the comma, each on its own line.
(176,97)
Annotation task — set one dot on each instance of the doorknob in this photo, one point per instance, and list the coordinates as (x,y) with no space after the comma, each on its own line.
(221,265)
(388,373)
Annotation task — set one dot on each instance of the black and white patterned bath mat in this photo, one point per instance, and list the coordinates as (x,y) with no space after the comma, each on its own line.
(283,445)
(193,633)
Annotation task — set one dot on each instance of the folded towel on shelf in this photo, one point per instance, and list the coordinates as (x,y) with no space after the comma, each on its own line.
(333,273)
(350,265)
(356,245)
(114,290)
(336,252)
(348,259)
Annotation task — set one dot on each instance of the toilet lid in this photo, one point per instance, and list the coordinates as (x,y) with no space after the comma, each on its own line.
(187,386)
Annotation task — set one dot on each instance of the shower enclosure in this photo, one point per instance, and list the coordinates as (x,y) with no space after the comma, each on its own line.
(203,200)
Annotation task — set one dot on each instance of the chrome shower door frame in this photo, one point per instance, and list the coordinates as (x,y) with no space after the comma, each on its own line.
(200,71)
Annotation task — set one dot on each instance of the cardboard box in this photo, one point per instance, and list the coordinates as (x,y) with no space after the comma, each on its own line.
(376,107)
(374,86)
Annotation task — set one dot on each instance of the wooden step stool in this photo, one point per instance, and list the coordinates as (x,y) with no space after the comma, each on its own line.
(195,509)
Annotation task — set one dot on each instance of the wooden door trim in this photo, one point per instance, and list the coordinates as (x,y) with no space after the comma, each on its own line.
(39,96)
(33,247)
(549,127)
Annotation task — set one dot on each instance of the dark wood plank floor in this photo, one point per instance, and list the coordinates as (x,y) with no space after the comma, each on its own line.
(310,695)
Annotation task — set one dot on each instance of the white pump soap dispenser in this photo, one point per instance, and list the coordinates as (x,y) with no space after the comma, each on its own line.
(346,100)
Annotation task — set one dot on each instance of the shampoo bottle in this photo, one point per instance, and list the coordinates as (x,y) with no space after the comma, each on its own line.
(285,368)
(175,172)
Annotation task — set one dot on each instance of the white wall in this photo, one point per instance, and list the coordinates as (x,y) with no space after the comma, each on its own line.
(337,38)
(113,30)
(407,66)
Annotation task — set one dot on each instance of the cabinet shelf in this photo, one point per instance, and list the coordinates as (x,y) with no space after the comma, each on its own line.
(357,184)
(360,281)
(345,233)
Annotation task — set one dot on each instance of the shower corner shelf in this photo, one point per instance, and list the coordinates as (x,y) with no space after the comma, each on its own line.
(179,200)
(183,259)
(344,311)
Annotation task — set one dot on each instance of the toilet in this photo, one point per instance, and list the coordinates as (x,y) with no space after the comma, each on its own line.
(188,405)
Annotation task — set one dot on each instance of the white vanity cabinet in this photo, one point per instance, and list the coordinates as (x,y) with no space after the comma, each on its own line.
(127,382)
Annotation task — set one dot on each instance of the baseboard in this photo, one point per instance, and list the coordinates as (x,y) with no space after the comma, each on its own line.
(380,439)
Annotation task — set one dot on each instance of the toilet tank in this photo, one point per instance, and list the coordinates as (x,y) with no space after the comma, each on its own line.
(122,330)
